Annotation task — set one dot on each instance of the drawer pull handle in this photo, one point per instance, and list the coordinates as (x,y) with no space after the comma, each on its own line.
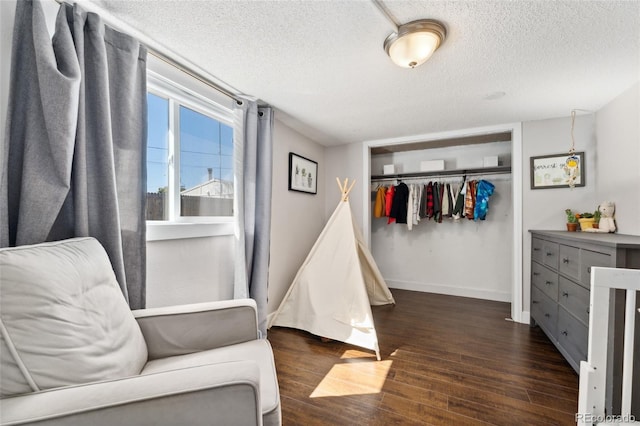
(534,301)
(536,249)
(549,254)
(564,333)
(548,283)
(547,315)
(589,269)
(565,260)
(535,274)
(588,311)
(565,294)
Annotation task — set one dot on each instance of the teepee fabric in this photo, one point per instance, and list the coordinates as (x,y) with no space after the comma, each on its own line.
(335,286)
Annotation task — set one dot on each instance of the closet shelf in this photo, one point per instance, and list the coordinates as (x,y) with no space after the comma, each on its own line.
(456,172)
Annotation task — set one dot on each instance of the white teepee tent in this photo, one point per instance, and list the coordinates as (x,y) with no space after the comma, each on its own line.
(332,292)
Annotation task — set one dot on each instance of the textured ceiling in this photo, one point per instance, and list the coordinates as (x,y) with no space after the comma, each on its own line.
(322,66)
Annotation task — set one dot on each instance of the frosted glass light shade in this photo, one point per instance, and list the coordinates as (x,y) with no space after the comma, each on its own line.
(415,42)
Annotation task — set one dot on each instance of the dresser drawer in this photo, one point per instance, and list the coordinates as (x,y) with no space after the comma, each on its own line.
(569,261)
(573,336)
(537,245)
(574,299)
(588,259)
(550,254)
(545,279)
(544,311)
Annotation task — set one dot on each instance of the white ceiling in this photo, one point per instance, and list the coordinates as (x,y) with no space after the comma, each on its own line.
(322,66)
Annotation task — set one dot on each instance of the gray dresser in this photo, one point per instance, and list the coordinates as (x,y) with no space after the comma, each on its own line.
(560,280)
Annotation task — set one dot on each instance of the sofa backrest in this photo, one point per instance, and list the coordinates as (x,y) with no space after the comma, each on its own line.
(63,318)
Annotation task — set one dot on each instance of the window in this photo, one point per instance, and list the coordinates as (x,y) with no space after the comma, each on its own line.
(189,155)
(157,157)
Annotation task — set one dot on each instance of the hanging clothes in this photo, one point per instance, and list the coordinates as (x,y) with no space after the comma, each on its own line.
(441,187)
(379,206)
(436,201)
(458,210)
(446,201)
(416,204)
(399,203)
(470,200)
(388,203)
(484,190)
(410,200)
(423,202)
(429,192)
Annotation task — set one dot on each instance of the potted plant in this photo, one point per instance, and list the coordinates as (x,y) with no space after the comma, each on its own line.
(596,219)
(572,221)
(586,220)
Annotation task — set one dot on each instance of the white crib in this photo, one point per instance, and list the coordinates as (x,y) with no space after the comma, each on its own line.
(593,372)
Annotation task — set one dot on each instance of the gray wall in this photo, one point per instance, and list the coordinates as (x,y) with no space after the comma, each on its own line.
(544,208)
(617,158)
(297,218)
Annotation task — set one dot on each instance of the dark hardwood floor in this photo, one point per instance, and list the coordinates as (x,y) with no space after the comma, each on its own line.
(445,361)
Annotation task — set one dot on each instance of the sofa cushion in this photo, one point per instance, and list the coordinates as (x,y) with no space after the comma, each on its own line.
(63,318)
(256,350)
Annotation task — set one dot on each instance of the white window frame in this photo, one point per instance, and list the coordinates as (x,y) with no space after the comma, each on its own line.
(192,96)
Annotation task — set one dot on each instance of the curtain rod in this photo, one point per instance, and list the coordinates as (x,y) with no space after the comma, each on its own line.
(161,52)
(443,174)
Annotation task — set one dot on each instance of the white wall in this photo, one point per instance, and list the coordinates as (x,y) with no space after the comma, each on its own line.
(618,158)
(296,218)
(189,270)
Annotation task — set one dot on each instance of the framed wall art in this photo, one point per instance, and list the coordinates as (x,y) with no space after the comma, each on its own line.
(303,174)
(552,171)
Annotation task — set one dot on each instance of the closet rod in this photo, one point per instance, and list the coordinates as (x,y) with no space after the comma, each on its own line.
(160,52)
(444,173)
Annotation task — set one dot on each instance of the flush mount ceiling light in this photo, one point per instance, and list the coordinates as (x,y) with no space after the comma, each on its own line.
(415,42)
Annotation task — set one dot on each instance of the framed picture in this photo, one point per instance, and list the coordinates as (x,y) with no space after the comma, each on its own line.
(303,174)
(551,171)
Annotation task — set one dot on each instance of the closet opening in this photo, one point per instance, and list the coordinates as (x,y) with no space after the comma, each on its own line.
(446,254)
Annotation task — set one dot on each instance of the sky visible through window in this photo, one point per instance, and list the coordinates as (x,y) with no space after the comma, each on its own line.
(206,147)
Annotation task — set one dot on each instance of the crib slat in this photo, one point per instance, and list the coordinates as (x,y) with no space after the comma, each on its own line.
(627,366)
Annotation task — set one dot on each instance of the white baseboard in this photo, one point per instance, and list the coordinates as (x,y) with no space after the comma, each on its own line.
(451,291)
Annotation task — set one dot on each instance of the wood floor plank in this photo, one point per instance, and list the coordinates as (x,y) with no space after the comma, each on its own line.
(425,413)
(445,361)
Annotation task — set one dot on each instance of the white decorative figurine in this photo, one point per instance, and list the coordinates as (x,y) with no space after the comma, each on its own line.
(607,223)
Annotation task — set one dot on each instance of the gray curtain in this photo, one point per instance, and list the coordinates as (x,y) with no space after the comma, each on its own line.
(253,147)
(74,159)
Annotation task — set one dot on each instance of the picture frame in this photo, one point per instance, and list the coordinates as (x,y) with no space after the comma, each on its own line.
(303,174)
(550,171)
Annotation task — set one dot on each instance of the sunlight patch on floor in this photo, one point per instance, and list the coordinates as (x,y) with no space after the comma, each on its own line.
(356,353)
(353,378)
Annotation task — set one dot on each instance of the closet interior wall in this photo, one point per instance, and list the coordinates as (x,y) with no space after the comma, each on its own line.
(465,258)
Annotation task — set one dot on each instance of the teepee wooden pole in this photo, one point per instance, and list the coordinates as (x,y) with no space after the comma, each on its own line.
(346,195)
(344,190)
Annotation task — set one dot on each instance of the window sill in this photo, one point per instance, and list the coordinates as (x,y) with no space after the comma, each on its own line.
(159,231)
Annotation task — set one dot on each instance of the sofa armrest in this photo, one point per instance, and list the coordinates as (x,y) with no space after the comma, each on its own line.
(184,329)
(221,394)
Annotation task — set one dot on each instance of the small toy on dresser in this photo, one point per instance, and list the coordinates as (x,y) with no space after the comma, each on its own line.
(607,222)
